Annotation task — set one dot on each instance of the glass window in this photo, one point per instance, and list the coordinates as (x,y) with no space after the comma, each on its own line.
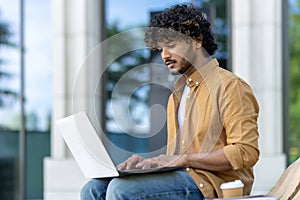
(9,89)
(138,84)
(37,63)
(37,95)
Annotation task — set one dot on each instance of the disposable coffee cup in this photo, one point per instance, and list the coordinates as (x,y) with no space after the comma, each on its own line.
(232,189)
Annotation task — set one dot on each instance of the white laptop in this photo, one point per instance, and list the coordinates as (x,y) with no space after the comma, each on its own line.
(89,151)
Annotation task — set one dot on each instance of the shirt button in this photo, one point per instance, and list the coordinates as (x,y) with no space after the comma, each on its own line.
(201,185)
(182,142)
(190,79)
(187,169)
(188,96)
(197,83)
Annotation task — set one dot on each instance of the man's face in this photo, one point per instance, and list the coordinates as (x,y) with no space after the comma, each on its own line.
(177,55)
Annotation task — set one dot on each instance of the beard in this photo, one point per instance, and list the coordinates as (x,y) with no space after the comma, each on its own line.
(184,65)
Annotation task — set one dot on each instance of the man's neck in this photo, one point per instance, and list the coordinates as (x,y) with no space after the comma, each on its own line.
(202,59)
(199,62)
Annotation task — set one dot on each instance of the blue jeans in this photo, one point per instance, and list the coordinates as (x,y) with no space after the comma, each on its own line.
(177,185)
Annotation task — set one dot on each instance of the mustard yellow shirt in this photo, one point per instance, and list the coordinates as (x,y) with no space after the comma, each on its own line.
(221,112)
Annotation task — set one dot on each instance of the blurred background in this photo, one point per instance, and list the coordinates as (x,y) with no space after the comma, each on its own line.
(44,44)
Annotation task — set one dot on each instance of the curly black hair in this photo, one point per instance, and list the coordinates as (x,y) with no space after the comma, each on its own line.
(178,21)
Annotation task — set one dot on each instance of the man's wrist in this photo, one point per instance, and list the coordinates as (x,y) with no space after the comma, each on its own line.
(186,160)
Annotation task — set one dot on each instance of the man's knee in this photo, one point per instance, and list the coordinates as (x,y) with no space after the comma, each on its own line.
(117,189)
(94,189)
(86,191)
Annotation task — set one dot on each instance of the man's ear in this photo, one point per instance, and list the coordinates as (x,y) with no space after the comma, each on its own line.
(198,44)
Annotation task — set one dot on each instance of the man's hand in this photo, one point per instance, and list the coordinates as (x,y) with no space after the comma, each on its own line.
(130,163)
(138,162)
(162,161)
(214,161)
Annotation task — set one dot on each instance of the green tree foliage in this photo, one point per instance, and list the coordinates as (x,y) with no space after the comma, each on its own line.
(5,40)
(294,79)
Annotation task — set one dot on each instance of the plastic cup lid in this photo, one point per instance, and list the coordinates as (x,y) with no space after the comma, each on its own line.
(231,185)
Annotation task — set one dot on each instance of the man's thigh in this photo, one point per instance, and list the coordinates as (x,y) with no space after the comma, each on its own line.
(170,185)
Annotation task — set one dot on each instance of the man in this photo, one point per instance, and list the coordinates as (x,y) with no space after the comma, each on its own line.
(212,120)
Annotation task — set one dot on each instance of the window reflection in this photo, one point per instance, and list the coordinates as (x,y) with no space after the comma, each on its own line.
(135,118)
(37,65)
(37,96)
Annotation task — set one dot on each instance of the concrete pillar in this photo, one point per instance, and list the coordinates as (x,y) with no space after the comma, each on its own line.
(257,58)
(77,30)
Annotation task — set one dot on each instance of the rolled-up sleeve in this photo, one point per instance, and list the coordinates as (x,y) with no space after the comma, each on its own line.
(240,123)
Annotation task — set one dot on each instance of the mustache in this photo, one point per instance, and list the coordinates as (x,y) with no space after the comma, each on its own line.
(169,61)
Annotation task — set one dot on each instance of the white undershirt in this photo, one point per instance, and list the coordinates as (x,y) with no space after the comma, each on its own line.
(181,109)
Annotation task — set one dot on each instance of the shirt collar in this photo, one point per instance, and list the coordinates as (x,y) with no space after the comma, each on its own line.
(194,76)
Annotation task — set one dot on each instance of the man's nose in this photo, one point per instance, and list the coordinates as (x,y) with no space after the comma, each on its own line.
(165,54)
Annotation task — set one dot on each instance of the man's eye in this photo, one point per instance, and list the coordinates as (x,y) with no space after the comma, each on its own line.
(171,46)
